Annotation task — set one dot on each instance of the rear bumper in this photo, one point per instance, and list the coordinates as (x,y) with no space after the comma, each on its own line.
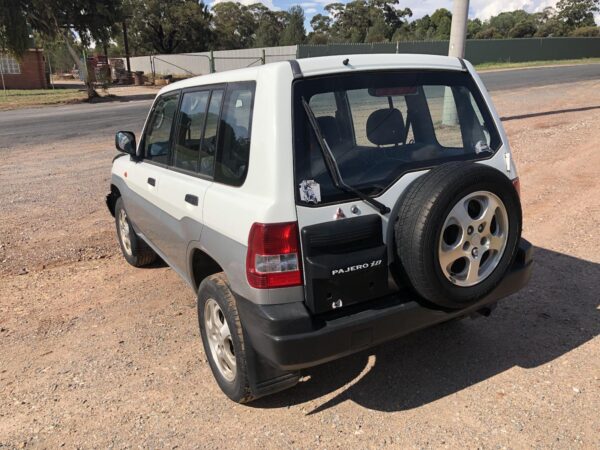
(291,339)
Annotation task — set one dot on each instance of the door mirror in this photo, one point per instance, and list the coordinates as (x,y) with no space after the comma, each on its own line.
(125,142)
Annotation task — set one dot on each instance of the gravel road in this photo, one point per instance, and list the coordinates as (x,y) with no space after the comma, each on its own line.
(97,354)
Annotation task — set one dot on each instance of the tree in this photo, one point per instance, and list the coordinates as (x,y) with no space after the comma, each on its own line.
(270,25)
(504,22)
(294,32)
(577,13)
(89,20)
(441,20)
(234,26)
(586,32)
(523,29)
(474,26)
(171,26)
(321,26)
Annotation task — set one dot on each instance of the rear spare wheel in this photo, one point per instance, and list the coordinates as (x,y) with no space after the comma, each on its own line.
(456,233)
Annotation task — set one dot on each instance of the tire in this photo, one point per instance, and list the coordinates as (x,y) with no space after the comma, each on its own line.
(134,249)
(214,291)
(457,232)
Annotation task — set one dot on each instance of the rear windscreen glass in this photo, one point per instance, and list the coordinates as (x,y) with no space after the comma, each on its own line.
(380,125)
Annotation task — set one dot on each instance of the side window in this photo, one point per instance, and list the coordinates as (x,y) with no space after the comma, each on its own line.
(234,134)
(442,106)
(186,151)
(209,143)
(158,130)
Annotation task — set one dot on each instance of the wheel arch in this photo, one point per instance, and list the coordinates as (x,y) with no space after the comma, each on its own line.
(111,198)
(202,265)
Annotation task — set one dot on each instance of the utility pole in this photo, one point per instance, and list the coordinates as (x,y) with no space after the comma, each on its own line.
(458,32)
(458,39)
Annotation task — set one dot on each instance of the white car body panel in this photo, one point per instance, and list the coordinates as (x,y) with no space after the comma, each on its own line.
(268,192)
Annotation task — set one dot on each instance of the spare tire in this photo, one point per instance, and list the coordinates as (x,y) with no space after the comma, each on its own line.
(456,233)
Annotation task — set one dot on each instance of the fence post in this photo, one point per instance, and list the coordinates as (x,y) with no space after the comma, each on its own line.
(264,57)
(212,62)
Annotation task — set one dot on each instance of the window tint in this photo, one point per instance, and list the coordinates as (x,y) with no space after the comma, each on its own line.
(363,104)
(209,143)
(234,134)
(158,131)
(383,124)
(444,116)
(186,151)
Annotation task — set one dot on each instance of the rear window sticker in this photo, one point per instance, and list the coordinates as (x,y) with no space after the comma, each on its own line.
(310,191)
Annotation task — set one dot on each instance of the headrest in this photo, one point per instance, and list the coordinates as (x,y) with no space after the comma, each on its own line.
(385,127)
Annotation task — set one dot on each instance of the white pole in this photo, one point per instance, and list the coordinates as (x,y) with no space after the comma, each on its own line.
(2,75)
(458,39)
(50,69)
(458,32)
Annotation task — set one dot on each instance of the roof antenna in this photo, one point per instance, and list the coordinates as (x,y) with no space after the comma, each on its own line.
(345,62)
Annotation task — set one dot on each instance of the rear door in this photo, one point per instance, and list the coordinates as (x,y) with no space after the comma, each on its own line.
(384,130)
(190,172)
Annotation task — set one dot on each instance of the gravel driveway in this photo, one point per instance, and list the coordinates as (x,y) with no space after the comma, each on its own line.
(95,353)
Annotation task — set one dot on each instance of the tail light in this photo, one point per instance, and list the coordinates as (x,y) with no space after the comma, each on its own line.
(273,258)
(517,184)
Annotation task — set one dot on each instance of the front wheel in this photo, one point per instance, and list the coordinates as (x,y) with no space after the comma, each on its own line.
(223,339)
(134,249)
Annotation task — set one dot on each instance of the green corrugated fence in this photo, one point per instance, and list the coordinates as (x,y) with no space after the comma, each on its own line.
(478,50)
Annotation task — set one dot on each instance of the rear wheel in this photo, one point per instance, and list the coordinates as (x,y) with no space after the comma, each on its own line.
(457,232)
(222,336)
(134,249)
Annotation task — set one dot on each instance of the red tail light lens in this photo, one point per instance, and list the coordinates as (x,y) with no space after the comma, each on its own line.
(517,184)
(273,258)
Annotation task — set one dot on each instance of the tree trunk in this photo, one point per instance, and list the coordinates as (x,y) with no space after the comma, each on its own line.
(91,92)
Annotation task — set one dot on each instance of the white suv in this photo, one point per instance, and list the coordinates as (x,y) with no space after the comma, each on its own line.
(322,206)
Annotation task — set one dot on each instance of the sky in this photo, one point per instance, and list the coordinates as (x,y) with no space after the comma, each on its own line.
(478,8)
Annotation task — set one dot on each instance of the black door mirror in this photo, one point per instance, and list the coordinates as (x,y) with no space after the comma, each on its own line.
(125,142)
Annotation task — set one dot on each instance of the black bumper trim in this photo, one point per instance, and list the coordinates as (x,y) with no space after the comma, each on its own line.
(291,338)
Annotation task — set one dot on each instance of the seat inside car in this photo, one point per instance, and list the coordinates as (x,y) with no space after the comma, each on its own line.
(386,127)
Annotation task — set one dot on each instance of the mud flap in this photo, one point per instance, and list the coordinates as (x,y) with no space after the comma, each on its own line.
(264,378)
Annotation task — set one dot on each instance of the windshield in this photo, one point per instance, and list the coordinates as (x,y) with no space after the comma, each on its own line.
(379,125)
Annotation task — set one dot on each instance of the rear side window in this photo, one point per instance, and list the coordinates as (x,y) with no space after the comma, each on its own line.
(209,143)
(186,150)
(234,134)
(158,131)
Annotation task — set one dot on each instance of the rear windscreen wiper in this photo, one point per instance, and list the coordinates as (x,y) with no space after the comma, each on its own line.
(332,166)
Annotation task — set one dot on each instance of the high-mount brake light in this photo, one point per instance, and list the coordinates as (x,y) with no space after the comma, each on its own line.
(273,258)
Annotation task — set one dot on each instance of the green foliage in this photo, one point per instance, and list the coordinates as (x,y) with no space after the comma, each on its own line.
(91,20)
(167,26)
(577,13)
(294,31)
(586,32)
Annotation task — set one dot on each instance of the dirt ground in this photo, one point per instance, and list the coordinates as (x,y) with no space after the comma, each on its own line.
(95,353)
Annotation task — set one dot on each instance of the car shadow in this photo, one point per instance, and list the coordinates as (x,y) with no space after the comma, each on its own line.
(554,314)
(548,113)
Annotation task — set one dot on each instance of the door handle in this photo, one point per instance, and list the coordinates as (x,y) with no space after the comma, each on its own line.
(191,199)
(151,181)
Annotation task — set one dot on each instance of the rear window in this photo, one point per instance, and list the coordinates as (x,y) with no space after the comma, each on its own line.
(380,125)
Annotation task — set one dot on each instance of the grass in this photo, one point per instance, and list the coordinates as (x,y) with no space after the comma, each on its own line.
(17,98)
(517,65)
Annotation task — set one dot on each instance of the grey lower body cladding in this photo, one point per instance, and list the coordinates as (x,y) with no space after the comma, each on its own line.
(291,338)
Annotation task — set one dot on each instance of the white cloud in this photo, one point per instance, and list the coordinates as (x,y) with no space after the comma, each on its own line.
(483,9)
(310,11)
